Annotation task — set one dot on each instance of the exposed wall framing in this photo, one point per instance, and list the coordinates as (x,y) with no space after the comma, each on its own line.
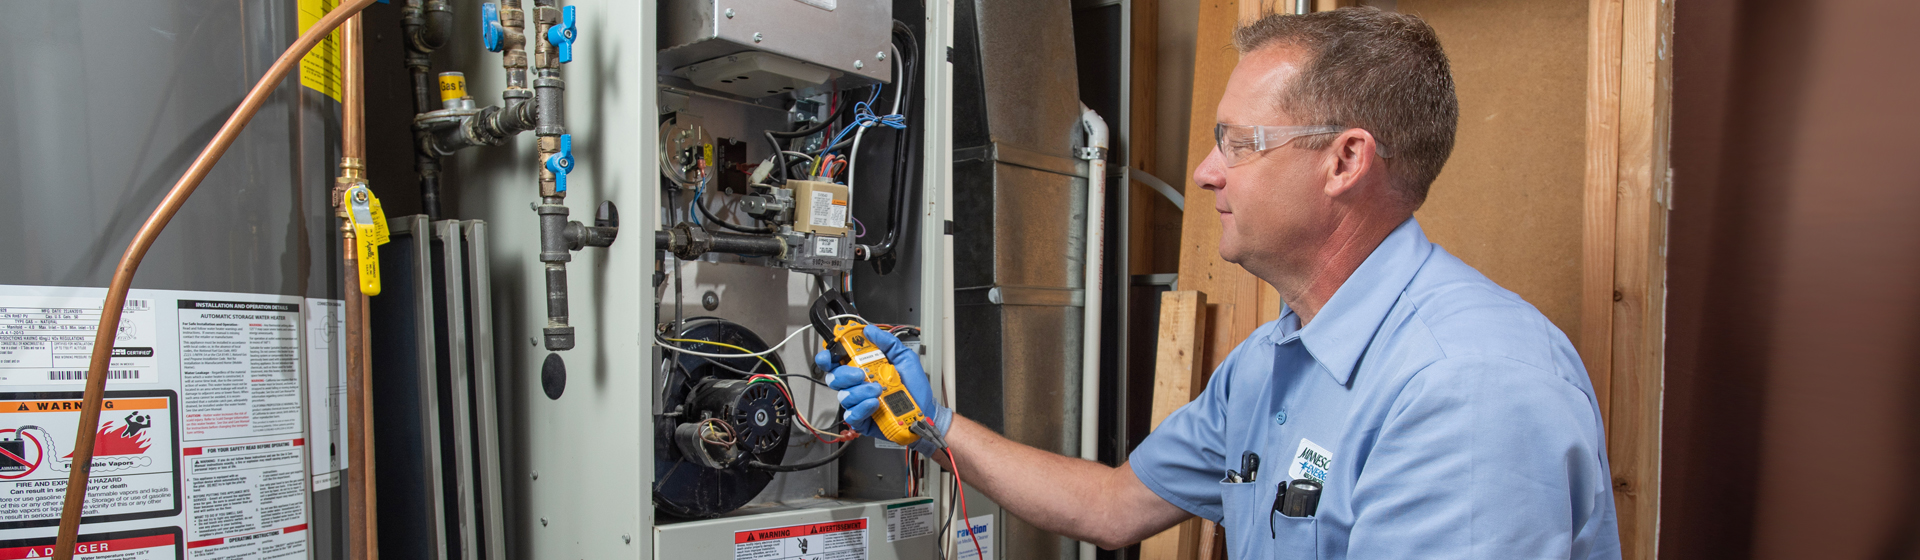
(1629,189)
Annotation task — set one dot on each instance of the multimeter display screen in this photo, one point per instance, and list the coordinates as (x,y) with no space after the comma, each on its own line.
(897,402)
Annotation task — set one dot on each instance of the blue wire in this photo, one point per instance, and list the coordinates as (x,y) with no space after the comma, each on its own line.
(693,210)
(863,116)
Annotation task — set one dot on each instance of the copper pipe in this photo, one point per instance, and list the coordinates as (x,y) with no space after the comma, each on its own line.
(137,249)
(353,107)
(362,511)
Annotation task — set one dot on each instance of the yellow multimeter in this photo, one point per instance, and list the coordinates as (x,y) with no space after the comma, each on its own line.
(847,343)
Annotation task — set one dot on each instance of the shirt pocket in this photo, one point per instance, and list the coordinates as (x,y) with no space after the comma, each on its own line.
(1293,538)
(1248,507)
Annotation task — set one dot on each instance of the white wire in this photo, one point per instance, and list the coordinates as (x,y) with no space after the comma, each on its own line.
(898,72)
(853,159)
(775,348)
(862,320)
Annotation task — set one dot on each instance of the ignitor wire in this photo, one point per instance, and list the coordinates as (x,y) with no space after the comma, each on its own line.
(665,343)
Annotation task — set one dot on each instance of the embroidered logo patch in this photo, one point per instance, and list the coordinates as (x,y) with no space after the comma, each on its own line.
(1310,462)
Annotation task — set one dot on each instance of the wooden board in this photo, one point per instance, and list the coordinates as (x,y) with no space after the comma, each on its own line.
(1177,379)
(1643,189)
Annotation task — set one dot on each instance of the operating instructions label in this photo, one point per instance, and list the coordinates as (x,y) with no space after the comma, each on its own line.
(201,450)
(833,540)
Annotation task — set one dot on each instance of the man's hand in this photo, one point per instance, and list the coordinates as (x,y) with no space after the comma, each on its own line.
(861,397)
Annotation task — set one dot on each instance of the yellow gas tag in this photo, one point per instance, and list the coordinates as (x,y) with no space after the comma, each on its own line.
(368,235)
(453,86)
(380,234)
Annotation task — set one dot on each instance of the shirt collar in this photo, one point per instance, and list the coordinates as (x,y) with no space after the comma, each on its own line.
(1341,332)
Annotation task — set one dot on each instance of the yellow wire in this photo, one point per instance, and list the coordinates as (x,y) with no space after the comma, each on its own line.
(763,359)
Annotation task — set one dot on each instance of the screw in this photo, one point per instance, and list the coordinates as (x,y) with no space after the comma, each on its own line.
(882,55)
(757,37)
(729,13)
(710,300)
(629,538)
(536,475)
(543,522)
(532,342)
(858,65)
(359,196)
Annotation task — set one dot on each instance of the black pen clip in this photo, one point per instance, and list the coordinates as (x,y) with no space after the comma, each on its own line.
(1250,465)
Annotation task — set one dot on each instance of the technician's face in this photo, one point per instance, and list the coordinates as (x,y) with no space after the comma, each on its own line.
(1276,196)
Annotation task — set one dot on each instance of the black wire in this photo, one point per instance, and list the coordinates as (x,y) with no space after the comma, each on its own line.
(773,138)
(715,220)
(823,461)
(905,144)
(806,377)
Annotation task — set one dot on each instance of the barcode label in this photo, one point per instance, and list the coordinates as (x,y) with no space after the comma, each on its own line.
(81,374)
(137,305)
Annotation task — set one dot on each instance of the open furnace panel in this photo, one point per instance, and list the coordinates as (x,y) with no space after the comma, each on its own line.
(764,153)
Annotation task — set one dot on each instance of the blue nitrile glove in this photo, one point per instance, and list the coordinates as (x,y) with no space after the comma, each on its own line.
(860,397)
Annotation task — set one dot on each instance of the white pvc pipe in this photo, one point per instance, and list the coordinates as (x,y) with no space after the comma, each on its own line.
(1095,261)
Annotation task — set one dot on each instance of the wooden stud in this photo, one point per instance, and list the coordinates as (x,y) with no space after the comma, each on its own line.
(1629,97)
(1602,184)
(1639,311)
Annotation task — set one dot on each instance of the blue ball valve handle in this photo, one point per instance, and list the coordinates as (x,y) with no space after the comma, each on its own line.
(562,35)
(561,163)
(491,33)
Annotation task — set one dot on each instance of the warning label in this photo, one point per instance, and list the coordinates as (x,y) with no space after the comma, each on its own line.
(134,469)
(150,544)
(835,540)
(910,520)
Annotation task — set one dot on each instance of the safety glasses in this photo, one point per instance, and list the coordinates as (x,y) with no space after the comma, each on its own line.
(1238,143)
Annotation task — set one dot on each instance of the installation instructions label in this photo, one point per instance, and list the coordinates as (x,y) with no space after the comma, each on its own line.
(201,449)
(834,540)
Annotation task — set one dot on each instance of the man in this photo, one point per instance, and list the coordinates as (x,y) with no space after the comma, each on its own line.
(1441,416)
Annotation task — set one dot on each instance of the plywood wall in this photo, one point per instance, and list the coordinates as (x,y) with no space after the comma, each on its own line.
(1509,201)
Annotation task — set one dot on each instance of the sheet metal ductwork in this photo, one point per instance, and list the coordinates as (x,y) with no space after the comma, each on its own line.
(1019,220)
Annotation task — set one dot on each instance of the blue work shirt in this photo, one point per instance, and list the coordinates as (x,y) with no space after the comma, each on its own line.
(1445,417)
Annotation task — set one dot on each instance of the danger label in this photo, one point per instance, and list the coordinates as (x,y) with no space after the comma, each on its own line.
(130,545)
(835,540)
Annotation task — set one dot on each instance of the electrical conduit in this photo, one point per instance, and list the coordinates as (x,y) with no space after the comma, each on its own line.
(137,250)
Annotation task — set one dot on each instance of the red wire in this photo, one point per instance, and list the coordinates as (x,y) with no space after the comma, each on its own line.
(968,519)
(845,435)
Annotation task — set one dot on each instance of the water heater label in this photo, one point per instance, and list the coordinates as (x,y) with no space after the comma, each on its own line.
(203,439)
(49,341)
(833,540)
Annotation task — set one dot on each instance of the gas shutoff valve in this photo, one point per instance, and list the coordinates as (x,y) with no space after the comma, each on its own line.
(491,32)
(561,163)
(562,35)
